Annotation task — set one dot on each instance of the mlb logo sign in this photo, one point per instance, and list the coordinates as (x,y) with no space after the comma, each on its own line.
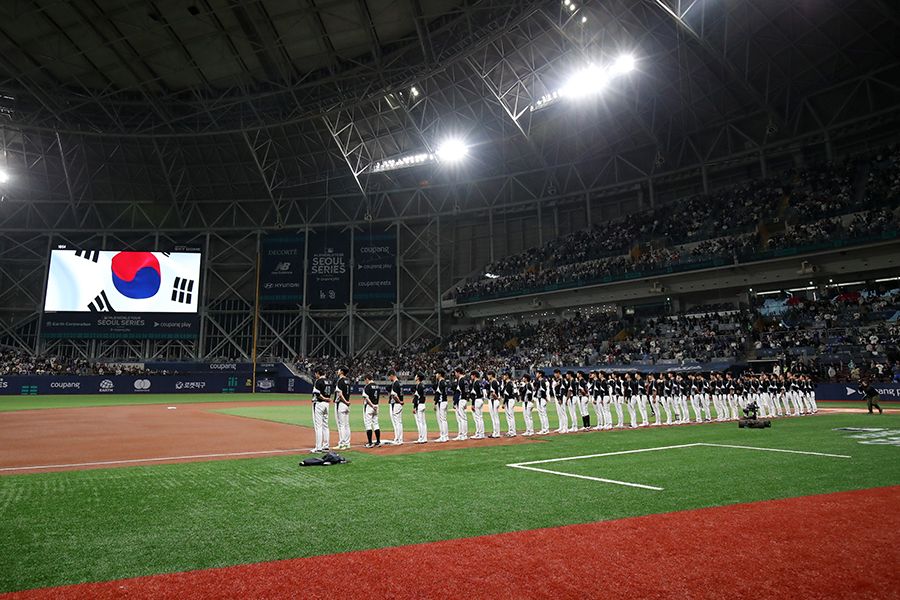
(329,250)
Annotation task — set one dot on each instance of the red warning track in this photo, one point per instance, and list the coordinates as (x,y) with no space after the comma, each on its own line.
(831,546)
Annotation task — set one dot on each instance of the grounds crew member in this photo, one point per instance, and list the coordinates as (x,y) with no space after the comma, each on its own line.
(872,396)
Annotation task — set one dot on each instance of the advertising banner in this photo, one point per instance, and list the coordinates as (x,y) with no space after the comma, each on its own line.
(120,326)
(850,391)
(32,385)
(375,268)
(328,282)
(281,269)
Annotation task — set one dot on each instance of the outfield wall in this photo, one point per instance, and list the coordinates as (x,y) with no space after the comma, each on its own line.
(34,385)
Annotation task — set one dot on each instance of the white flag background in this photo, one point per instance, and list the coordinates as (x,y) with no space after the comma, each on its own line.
(76,281)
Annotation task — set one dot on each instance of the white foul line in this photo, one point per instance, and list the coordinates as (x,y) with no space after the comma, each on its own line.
(777,450)
(648,487)
(141,460)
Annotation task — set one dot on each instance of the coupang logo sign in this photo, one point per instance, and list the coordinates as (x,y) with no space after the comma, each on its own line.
(136,275)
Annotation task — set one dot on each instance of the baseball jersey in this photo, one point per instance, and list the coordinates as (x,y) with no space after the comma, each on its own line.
(396,392)
(343,386)
(419,394)
(440,392)
(321,390)
(370,392)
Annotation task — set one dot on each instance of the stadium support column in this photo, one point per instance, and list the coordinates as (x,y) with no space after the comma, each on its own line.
(204,308)
(437,260)
(38,341)
(540,224)
(491,234)
(587,208)
(351,313)
(304,308)
(764,171)
(705,174)
(399,305)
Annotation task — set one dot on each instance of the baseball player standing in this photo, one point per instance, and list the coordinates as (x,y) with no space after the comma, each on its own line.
(342,408)
(541,392)
(527,404)
(460,401)
(509,401)
(396,403)
(476,392)
(440,406)
(370,412)
(321,396)
(419,409)
(494,400)
(557,394)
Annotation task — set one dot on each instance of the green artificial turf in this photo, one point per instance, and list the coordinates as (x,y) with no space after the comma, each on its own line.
(103,524)
(78,400)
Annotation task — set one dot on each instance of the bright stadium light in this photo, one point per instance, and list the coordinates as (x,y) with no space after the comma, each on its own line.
(625,64)
(4,176)
(452,150)
(590,80)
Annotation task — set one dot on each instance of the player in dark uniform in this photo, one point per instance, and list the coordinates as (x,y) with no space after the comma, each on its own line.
(370,412)
(419,409)
(396,403)
(342,408)
(321,396)
(495,398)
(527,399)
(509,403)
(440,406)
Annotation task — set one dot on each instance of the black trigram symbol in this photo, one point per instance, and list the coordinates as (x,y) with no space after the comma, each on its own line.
(101,303)
(182,289)
(91,255)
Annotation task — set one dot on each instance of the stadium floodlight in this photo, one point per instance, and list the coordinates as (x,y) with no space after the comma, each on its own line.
(624,64)
(590,80)
(4,176)
(586,82)
(452,150)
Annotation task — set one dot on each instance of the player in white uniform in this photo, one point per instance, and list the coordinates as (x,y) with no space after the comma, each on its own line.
(440,406)
(495,399)
(527,398)
(541,393)
(477,392)
(321,396)
(557,394)
(342,408)
(419,409)
(460,401)
(396,403)
(509,402)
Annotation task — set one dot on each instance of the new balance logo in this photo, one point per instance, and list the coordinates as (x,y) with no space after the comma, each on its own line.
(283,266)
(91,255)
(182,290)
(100,304)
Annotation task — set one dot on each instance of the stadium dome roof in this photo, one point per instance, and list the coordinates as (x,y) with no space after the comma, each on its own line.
(176,109)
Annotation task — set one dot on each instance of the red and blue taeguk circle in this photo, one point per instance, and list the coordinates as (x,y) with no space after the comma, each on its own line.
(136,274)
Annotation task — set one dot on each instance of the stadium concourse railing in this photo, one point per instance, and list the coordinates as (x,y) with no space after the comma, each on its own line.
(684,267)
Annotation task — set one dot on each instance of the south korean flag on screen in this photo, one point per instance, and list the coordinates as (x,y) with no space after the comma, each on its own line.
(125,282)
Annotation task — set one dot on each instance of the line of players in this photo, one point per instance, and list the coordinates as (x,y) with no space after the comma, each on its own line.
(670,399)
